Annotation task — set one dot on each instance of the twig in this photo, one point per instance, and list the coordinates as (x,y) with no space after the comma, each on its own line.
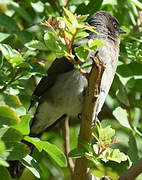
(133,172)
(65,129)
(88,113)
(53,3)
(66,3)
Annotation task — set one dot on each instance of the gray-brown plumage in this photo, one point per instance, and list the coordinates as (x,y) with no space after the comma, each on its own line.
(62,91)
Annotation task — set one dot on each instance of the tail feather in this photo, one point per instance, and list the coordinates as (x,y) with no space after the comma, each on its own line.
(16,169)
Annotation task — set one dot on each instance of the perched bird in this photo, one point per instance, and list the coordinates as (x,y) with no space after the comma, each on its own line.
(62,91)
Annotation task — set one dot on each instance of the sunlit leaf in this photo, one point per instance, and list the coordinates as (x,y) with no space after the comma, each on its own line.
(51,41)
(24,125)
(113,155)
(51,149)
(7,51)
(2,147)
(137,3)
(81,53)
(95,44)
(35,44)
(30,163)
(8,116)
(107,133)
(71,17)
(4,163)
(122,117)
(10,100)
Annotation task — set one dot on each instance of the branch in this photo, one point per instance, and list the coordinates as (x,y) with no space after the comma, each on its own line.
(81,171)
(65,129)
(133,171)
(53,3)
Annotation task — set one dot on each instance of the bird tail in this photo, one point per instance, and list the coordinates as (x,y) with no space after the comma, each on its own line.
(16,169)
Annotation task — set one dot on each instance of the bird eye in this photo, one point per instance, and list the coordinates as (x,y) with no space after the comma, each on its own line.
(115,24)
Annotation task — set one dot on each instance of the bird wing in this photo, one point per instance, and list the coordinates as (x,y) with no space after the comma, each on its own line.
(59,66)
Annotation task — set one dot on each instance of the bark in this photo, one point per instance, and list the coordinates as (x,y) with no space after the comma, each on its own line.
(81,171)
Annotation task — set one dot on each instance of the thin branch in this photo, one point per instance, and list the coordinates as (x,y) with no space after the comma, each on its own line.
(53,3)
(89,110)
(66,3)
(133,172)
(65,129)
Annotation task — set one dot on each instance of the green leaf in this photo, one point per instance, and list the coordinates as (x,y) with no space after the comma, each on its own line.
(36,45)
(92,158)
(137,3)
(38,6)
(35,141)
(10,100)
(113,155)
(30,163)
(90,28)
(86,64)
(55,153)
(24,126)
(51,149)
(7,51)
(89,8)
(123,80)
(2,147)
(135,84)
(95,44)
(24,36)
(82,18)
(3,162)
(8,116)
(81,53)
(71,17)
(106,134)
(4,174)
(87,146)
(122,96)
(81,35)
(69,25)
(10,135)
(20,11)
(17,60)
(1,60)
(137,103)
(51,41)
(4,36)
(133,151)
(77,153)
(122,117)
(17,150)
(20,111)
(8,23)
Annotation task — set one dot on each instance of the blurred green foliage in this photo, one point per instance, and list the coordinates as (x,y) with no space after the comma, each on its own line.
(24,58)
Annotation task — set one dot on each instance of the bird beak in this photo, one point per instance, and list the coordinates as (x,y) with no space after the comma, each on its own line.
(122,31)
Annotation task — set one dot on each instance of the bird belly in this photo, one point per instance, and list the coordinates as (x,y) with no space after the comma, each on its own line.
(65,97)
(67,94)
